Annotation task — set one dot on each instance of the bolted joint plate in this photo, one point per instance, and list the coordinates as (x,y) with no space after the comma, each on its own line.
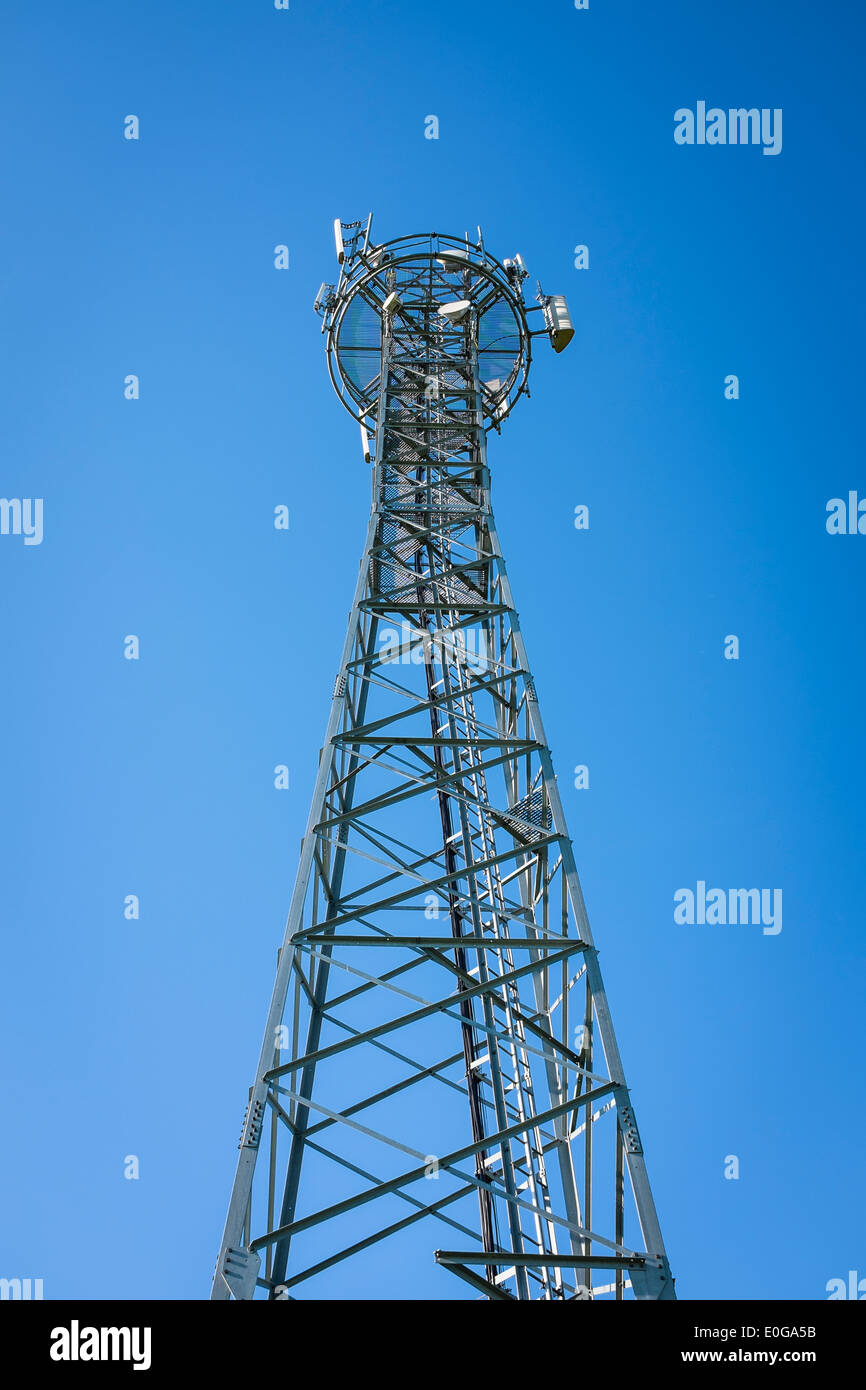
(628,1125)
(252,1130)
(240,1270)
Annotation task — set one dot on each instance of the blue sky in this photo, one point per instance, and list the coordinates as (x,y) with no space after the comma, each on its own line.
(707,517)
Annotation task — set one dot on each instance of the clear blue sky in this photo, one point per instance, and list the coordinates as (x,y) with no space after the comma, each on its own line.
(707,517)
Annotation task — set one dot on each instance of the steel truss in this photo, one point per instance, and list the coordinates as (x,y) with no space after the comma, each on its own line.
(439,1063)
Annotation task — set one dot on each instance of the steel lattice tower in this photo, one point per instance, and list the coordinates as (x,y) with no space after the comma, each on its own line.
(439,1077)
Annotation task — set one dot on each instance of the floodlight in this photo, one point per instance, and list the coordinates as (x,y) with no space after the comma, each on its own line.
(558,321)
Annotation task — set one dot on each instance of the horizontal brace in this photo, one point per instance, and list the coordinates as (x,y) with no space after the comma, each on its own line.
(545,1261)
(517,746)
(448,943)
(452,603)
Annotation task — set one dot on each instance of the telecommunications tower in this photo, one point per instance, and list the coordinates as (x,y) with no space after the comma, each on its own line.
(439,1101)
